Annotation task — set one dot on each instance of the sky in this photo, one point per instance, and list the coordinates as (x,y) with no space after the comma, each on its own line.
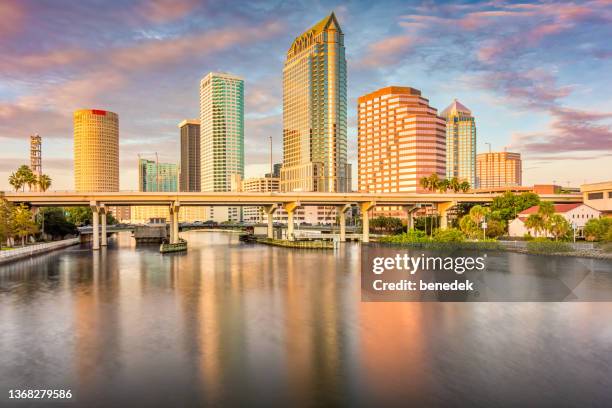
(536,75)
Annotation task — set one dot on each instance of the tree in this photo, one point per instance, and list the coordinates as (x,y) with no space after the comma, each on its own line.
(386,224)
(444,185)
(44,182)
(464,186)
(598,229)
(22,223)
(536,223)
(56,224)
(558,226)
(6,215)
(453,184)
(26,176)
(16,181)
(471,223)
(79,216)
(509,204)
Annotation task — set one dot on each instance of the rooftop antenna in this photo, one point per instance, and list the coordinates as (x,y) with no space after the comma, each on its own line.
(271,165)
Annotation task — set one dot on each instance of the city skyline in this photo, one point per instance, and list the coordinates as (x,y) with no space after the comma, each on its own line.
(551,108)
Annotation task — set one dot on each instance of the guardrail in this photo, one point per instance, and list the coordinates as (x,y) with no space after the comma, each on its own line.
(31,250)
(578,246)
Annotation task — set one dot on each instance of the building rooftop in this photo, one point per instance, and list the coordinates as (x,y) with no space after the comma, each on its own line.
(559,208)
(390,90)
(324,24)
(455,107)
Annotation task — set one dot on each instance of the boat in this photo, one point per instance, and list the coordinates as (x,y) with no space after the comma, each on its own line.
(167,247)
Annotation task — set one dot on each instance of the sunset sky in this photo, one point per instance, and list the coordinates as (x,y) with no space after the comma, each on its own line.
(537,76)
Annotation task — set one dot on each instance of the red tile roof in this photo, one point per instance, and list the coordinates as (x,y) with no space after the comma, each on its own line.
(559,208)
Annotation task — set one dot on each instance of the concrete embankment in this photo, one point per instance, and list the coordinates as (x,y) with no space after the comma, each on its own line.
(33,250)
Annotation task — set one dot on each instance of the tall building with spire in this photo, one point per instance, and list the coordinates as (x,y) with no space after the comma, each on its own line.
(460,143)
(314,111)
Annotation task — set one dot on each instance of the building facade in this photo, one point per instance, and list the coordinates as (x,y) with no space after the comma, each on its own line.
(460,143)
(154,176)
(498,169)
(258,185)
(96,151)
(598,196)
(400,140)
(189,179)
(36,157)
(221,130)
(314,111)
(221,137)
(577,215)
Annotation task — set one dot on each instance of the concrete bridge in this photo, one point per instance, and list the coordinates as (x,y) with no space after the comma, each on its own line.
(270,201)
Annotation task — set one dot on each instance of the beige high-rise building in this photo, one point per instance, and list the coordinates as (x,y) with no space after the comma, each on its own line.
(258,185)
(400,140)
(499,169)
(96,150)
(314,111)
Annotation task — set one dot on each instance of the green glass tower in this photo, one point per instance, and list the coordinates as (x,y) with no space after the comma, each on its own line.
(460,143)
(154,176)
(221,131)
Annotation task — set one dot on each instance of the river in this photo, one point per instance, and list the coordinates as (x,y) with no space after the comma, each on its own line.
(228,323)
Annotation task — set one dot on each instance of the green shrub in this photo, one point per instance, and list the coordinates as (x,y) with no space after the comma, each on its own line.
(407,237)
(545,246)
(449,235)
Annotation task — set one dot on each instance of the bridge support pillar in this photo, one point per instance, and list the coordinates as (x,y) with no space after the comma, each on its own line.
(410,210)
(95,230)
(290,208)
(443,211)
(270,209)
(365,220)
(174,222)
(102,211)
(342,209)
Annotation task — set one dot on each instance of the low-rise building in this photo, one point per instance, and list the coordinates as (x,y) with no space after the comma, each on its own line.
(598,196)
(576,214)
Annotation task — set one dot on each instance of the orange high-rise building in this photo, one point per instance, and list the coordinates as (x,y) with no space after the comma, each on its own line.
(498,169)
(401,139)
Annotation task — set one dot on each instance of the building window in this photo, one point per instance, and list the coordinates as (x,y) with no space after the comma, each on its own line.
(595,196)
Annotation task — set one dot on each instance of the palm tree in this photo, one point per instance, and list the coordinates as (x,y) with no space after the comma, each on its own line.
(558,226)
(454,184)
(444,185)
(434,182)
(424,182)
(24,173)
(536,223)
(15,181)
(44,182)
(464,186)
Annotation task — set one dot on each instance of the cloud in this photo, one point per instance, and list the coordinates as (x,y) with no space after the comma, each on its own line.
(163,11)
(12,18)
(17,122)
(570,131)
(387,51)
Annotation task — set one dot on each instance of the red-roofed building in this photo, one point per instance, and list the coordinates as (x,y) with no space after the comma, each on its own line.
(577,214)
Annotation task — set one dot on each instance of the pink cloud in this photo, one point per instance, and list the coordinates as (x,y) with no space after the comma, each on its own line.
(387,51)
(12,18)
(162,11)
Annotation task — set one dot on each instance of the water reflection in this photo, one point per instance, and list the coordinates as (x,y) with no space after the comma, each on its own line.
(228,323)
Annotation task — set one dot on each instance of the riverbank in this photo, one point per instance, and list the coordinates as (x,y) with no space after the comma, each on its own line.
(33,250)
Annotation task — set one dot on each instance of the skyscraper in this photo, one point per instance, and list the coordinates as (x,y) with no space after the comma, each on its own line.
(154,176)
(314,111)
(400,140)
(190,155)
(221,137)
(499,169)
(460,143)
(221,130)
(96,150)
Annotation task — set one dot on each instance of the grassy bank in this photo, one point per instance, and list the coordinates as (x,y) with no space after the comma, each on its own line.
(297,244)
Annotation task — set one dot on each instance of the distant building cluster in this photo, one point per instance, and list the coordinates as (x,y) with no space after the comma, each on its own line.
(401,139)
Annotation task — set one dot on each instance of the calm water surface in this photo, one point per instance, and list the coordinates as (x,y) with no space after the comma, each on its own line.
(229,323)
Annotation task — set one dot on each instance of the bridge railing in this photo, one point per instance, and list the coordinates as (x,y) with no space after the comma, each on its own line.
(33,249)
